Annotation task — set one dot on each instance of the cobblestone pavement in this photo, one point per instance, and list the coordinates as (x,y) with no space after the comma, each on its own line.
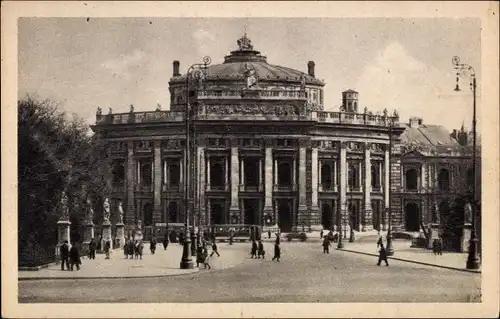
(304,274)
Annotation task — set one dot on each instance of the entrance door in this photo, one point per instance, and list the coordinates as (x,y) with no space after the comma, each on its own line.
(412,217)
(326,216)
(218,212)
(251,211)
(148,214)
(285,215)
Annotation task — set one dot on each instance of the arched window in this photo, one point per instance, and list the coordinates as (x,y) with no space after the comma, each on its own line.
(411,179)
(444,179)
(352,177)
(146,174)
(326,176)
(284,174)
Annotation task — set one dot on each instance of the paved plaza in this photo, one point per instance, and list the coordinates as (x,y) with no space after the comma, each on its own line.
(304,274)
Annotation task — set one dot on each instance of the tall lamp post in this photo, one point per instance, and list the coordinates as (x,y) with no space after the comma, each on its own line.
(465,70)
(390,249)
(198,70)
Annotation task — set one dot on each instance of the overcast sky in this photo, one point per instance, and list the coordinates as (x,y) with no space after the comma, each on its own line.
(393,63)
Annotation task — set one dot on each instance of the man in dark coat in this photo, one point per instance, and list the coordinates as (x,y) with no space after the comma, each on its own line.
(253,252)
(382,256)
(199,255)
(64,252)
(214,249)
(326,245)
(277,252)
(152,245)
(165,241)
(74,257)
(92,248)
(261,251)
(321,234)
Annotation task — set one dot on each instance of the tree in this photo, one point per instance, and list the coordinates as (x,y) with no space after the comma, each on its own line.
(55,155)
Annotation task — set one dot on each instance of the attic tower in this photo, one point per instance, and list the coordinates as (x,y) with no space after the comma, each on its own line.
(350,101)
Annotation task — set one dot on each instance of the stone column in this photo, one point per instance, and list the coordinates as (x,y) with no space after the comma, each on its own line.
(131,165)
(242,172)
(360,176)
(343,187)
(335,182)
(201,185)
(157,211)
(234,209)
(226,171)
(319,185)
(260,175)
(208,172)
(275,182)
(315,220)
(302,211)
(268,181)
(422,178)
(386,188)
(367,223)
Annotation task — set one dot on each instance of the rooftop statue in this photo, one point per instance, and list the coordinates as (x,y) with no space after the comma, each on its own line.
(99,111)
(158,107)
(131,108)
(110,111)
(245,43)
(250,76)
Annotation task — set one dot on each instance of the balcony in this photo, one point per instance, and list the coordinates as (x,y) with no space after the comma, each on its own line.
(356,189)
(140,117)
(172,188)
(143,188)
(353,118)
(327,188)
(262,94)
(216,188)
(377,189)
(284,188)
(251,188)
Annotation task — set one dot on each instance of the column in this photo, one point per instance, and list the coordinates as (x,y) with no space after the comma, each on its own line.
(386,188)
(157,211)
(165,173)
(130,212)
(320,177)
(367,223)
(268,181)
(422,178)
(360,176)
(234,209)
(294,174)
(226,171)
(201,186)
(242,172)
(208,172)
(275,171)
(302,211)
(380,175)
(314,219)
(343,187)
(335,185)
(260,174)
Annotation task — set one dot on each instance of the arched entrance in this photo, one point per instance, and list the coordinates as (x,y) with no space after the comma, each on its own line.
(412,217)
(148,214)
(285,215)
(326,216)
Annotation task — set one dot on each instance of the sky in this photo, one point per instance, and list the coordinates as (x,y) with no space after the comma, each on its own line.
(394,63)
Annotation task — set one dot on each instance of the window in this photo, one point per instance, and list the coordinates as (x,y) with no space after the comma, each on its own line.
(174,174)
(444,180)
(326,176)
(284,173)
(375,177)
(470,177)
(352,177)
(217,172)
(411,179)
(173,210)
(118,172)
(146,174)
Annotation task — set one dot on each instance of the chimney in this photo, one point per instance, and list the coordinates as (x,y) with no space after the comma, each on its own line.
(415,121)
(310,68)
(176,65)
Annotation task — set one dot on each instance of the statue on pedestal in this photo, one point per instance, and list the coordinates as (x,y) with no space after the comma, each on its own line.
(107,212)
(120,213)
(468,213)
(64,206)
(90,212)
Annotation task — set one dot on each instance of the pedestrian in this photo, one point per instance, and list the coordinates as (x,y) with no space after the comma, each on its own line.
(382,255)
(130,249)
(107,249)
(326,245)
(277,252)
(440,246)
(206,259)
(64,252)
(125,249)
(261,251)
(152,246)
(214,249)
(181,238)
(277,238)
(336,237)
(269,234)
(199,255)
(92,248)
(321,234)
(138,247)
(165,241)
(253,252)
(379,241)
(74,257)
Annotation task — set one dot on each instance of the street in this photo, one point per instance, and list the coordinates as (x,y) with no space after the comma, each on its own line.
(304,274)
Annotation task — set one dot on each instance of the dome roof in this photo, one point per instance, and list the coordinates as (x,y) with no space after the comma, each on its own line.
(237,62)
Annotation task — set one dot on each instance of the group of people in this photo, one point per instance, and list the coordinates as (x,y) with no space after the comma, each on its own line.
(70,257)
(202,255)
(257,251)
(133,249)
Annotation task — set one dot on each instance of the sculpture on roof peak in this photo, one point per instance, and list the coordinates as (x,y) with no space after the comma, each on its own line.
(245,43)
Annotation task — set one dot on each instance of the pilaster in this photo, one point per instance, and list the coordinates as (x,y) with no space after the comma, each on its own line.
(234,209)
(315,219)
(367,221)
(268,181)
(201,185)
(302,211)
(343,185)
(157,176)
(386,187)
(130,212)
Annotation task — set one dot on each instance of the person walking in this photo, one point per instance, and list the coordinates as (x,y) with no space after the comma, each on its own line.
(261,251)
(199,255)
(231,235)
(64,252)
(379,241)
(214,249)
(253,252)
(92,248)
(152,246)
(206,259)
(107,249)
(326,245)
(382,255)
(277,252)
(74,257)
(321,234)
(440,246)
(165,241)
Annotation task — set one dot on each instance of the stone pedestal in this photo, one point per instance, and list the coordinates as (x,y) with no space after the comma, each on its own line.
(88,234)
(433,234)
(62,234)
(120,235)
(106,234)
(464,240)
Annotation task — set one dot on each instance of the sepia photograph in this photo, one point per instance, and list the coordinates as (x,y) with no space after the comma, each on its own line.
(250,159)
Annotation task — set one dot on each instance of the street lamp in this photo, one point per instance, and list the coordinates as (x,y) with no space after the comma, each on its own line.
(390,249)
(465,70)
(199,71)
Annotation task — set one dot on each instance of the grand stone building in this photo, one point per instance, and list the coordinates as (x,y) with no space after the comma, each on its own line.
(266,153)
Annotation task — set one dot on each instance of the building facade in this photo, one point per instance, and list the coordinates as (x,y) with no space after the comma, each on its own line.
(265,153)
